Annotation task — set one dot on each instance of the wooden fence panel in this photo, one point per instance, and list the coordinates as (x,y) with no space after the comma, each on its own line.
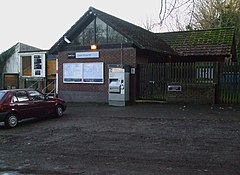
(229,88)
(155,77)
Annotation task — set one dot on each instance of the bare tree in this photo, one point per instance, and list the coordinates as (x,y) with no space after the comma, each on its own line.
(150,24)
(173,15)
(217,13)
(176,13)
(195,14)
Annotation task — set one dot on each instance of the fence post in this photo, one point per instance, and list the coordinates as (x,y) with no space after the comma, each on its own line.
(216,81)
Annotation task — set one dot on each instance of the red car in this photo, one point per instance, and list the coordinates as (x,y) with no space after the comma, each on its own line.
(20,104)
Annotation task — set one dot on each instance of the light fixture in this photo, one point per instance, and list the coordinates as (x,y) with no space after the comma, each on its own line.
(66,40)
(93,46)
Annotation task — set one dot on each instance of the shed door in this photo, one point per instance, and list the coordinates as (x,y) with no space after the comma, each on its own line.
(11,81)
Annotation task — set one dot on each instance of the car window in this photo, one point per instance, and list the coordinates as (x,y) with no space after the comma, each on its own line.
(35,95)
(22,96)
(2,94)
(14,99)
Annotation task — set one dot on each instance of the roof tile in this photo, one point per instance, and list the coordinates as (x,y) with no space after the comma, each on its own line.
(200,42)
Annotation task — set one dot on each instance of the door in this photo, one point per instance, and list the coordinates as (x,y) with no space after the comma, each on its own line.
(23,104)
(42,106)
(11,81)
(152,81)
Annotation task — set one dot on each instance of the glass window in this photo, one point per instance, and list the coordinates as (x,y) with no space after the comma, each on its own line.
(26,66)
(35,95)
(14,99)
(101,31)
(22,96)
(103,34)
(86,37)
(115,37)
(2,94)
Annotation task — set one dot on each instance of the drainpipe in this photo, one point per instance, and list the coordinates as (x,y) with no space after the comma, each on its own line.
(121,54)
(56,86)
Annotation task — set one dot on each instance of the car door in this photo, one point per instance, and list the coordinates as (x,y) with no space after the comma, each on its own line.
(23,104)
(43,106)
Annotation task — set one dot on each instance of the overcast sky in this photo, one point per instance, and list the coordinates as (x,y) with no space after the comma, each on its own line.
(40,23)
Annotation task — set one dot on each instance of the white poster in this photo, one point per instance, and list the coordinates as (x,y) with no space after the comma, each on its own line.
(83,72)
(72,72)
(93,72)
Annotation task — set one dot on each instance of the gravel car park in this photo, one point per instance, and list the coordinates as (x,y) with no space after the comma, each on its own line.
(144,139)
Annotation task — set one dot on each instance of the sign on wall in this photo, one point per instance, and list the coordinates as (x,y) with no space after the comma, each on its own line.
(83,72)
(83,55)
(38,65)
(87,54)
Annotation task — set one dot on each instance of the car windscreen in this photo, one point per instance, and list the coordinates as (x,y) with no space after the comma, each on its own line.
(2,93)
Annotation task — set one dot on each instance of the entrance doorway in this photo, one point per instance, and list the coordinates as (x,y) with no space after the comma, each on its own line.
(10,81)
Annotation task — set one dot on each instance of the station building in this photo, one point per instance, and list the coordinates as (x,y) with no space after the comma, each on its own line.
(83,71)
(99,45)
(102,58)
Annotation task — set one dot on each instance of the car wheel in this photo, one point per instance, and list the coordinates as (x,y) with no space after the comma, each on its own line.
(11,120)
(59,111)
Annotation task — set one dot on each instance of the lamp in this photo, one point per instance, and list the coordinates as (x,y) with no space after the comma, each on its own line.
(66,40)
(93,46)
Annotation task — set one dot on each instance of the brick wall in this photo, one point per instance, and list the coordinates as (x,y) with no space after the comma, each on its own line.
(194,93)
(79,92)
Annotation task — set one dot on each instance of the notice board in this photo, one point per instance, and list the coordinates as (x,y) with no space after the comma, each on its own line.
(83,72)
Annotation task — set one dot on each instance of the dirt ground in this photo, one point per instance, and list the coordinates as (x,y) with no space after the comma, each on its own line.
(141,139)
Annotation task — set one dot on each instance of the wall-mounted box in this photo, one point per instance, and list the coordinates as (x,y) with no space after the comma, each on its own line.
(174,88)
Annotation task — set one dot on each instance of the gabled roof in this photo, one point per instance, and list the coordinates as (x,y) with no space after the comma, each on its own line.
(27,48)
(139,36)
(211,42)
(20,47)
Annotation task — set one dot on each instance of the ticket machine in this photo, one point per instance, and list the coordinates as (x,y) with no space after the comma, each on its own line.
(118,87)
